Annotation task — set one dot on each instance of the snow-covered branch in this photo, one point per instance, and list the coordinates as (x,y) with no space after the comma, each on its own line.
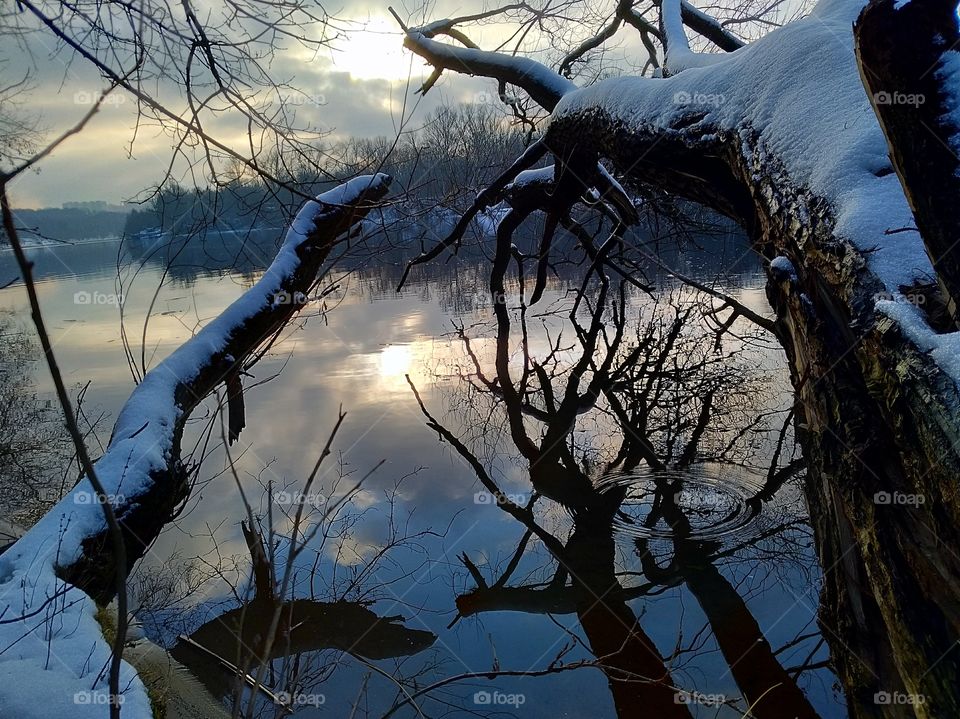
(545,86)
(678,56)
(50,577)
(709,27)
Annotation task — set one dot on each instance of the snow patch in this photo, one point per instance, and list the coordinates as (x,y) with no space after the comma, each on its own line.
(949,74)
(943,349)
(781,266)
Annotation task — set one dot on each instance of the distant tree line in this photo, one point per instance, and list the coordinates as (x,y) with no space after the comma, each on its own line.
(69,223)
(441,164)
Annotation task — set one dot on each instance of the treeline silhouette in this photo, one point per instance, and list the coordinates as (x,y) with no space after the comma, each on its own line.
(69,223)
(438,166)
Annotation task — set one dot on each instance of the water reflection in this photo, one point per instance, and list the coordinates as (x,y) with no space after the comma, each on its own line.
(649,471)
(684,415)
(235,642)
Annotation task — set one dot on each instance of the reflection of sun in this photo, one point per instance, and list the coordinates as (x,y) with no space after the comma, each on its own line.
(374,50)
(395,360)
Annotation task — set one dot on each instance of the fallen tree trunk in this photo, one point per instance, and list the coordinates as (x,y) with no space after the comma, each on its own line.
(66,560)
(879,416)
(781,137)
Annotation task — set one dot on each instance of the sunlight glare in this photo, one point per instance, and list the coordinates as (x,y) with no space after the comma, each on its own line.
(395,360)
(374,51)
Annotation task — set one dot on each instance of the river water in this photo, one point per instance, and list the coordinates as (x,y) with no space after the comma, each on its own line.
(699,576)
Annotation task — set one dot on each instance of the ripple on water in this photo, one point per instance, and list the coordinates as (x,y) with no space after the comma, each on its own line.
(714,498)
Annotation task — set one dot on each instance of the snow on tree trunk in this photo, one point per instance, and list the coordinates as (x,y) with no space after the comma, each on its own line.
(909,63)
(781,136)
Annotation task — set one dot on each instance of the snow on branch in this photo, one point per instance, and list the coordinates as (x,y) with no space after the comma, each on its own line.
(545,86)
(444,26)
(50,639)
(677,53)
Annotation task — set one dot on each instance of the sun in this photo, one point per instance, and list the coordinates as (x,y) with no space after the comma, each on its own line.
(373,50)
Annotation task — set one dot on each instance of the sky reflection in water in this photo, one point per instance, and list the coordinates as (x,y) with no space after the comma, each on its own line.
(358,356)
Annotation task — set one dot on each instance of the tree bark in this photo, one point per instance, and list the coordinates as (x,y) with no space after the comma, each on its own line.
(901,50)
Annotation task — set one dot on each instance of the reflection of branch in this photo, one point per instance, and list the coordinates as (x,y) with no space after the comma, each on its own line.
(551,598)
(229,666)
(524,515)
(737,306)
(308,625)
(752,662)
(276,610)
(764,682)
(488,675)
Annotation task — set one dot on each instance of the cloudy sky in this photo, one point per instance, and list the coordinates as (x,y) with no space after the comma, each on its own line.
(355,87)
(361,84)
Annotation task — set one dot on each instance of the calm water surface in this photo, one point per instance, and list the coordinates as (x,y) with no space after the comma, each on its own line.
(697,566)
